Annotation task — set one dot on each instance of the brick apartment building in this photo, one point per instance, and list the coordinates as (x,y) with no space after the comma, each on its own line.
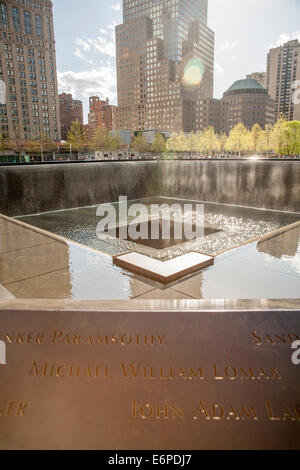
(100,115)
(70,111)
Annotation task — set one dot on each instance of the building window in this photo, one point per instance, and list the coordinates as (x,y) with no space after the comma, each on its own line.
(38,26)
(49,28)
(27,22)
(16,19)
(3,16)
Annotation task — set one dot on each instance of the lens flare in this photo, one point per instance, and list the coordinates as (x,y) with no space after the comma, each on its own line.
(193,73)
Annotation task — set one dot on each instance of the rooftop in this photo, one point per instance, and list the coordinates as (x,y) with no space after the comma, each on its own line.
(246,85)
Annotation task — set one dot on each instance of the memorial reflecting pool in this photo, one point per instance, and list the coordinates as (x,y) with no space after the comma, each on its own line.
(37,266)
(225,227)
(57,253)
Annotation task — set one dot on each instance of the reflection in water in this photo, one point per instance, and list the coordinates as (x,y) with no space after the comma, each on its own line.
(39,271)
(285,247)
(251,272)
(285,244)
(65,281)
(93,276)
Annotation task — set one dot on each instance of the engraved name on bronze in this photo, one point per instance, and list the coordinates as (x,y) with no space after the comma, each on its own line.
(214,412)
(65,338)
(260,338)
(13,408)
(153,372)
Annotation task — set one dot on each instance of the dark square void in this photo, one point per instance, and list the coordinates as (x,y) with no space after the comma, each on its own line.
(160,243)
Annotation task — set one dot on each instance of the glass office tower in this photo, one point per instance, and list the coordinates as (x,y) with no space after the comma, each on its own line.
(182,13)
(154,46)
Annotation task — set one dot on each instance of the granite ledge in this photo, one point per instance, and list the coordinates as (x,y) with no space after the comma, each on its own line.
(150,305)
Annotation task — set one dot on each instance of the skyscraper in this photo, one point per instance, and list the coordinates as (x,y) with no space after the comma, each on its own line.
(165,63)
(283,71)
(28,69)
(180,12)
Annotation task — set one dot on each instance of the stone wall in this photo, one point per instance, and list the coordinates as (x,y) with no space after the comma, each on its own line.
(33,189)
(262,184)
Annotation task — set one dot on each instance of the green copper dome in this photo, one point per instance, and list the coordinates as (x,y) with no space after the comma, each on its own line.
(248,85)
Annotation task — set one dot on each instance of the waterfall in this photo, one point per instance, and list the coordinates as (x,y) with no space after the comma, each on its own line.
(40,188)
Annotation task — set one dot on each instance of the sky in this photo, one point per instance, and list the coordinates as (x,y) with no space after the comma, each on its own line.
(244,32)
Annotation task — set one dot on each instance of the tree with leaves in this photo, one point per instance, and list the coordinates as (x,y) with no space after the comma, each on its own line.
(265,139)
(237,140)
(76,137)
(115,142)
(3,142)
(171,143)
(182,144)
(192,142)
(17,142)
(101,139)
(255,135)
(210,140)
(292,132)
(46,145)
(279,136)
(158,144)
(222,139)
(32,147)
(140,144)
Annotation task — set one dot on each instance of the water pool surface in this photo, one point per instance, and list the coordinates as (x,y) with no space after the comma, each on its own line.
(225,227)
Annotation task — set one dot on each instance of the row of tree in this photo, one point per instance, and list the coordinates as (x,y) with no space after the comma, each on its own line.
(76,141)
(282,138)
(32,147)
(102,140)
